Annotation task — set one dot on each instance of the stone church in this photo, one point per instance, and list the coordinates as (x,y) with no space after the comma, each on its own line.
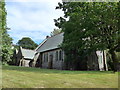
(49,55)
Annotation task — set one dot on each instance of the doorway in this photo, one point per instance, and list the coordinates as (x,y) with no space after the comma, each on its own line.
(50,63)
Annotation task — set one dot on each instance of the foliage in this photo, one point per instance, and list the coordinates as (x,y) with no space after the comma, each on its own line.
(55,32)
(27,43)
(90,26)
(23,77)
(5,39)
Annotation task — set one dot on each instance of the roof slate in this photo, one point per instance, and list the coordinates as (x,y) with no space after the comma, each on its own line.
(28,54)
(51,43)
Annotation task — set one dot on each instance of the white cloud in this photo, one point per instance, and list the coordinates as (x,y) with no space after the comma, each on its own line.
(33,19)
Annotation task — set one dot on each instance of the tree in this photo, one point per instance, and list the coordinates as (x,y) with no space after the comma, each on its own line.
(5,39)
(90,26)
(27,43)
(55,32)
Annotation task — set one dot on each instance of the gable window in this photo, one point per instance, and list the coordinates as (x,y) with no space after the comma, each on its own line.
(56,55)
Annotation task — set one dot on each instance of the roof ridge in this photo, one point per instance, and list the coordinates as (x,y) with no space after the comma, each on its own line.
(28,49)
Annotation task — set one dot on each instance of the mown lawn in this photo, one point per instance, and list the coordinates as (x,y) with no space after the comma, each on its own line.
(23,77)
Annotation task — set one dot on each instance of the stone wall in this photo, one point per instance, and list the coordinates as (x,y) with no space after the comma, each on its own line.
(94,61)
(50,58)
(24,62)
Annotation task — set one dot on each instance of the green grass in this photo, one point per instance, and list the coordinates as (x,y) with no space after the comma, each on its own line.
(23,77)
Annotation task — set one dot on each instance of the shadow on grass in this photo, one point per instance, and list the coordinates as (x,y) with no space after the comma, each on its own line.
(50,71)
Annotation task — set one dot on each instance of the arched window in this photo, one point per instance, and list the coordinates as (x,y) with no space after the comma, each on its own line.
(56,55)
(60,55)
(44,57)
(47,57)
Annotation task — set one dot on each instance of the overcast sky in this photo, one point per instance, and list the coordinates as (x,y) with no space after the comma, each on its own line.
(31,18)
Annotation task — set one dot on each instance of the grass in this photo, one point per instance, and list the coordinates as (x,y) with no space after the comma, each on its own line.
(23,77)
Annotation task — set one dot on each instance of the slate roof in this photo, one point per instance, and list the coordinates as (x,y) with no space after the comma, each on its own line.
(41,44)
(28,54)
(51,43)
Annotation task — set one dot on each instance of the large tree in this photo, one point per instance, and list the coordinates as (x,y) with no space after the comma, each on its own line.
(27,43)
(89,26)
(5,39)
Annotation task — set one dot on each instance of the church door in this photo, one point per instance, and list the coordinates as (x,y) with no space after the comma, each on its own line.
(50,64)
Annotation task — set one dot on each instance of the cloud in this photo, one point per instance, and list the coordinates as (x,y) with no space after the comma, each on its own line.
(32,19)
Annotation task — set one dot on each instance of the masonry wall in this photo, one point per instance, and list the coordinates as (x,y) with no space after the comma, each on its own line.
(94,61)
(24,62)
(57,62)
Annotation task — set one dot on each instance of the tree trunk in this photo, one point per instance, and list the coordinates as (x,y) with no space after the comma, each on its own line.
(114,59)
